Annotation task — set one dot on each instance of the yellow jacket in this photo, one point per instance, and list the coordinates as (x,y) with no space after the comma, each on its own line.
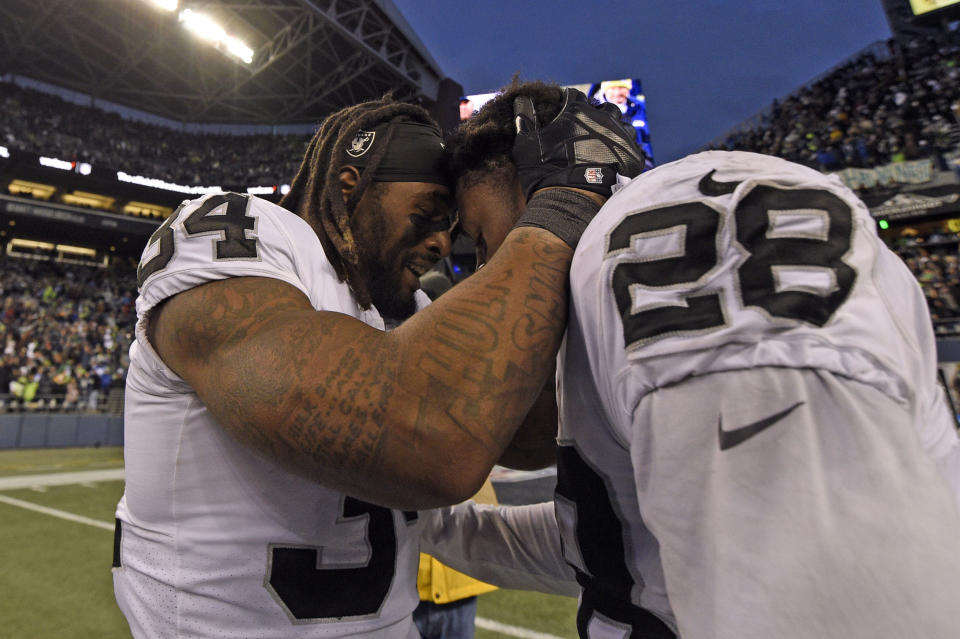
(441,584)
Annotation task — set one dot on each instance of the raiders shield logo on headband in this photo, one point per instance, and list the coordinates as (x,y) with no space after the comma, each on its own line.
(361,143)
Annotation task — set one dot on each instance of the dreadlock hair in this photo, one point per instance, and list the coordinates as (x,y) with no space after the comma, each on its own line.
(315,193)
(481,146)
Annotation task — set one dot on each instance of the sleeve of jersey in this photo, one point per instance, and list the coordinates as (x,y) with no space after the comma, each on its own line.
(594,328)
(514,547)
(277,244)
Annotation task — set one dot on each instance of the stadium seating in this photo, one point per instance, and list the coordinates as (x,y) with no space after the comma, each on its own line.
(869,111)
(48,125)
(65,332)
(881,109)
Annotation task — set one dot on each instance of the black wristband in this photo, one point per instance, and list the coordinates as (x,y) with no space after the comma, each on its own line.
(563,212)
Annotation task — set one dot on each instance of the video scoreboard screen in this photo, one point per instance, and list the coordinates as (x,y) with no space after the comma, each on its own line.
(626,94)
(923,7)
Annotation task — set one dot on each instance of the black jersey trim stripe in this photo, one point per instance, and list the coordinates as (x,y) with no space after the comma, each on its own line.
(117,537)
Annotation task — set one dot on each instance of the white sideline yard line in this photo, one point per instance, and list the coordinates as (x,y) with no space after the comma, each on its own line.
(513,631)
(53,512)
(62,479)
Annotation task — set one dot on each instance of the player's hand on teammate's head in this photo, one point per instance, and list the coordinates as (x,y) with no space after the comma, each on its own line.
(584,147)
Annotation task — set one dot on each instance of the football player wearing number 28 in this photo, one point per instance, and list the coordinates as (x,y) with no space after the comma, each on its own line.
(267,410)
(752,440)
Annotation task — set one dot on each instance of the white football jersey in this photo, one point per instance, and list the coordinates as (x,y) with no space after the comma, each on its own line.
(215,540)
(750,415)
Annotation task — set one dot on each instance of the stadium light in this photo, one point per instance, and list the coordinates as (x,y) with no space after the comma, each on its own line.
(284,189)
(203,26)
(169,186)
(165,5)
(54,163)
(239,49)
(4,152)
(84,168)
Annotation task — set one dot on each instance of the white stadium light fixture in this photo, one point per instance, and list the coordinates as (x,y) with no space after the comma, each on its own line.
(166,5)
(54,163)
(169,186)
(238,48)
(284,189)
(4,152)
(84,168)
(205,27)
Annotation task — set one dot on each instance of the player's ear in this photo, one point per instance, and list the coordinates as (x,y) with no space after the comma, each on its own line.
(349,176)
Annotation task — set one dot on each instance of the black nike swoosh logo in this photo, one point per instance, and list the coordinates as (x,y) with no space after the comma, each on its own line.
(709,186)
(731,438)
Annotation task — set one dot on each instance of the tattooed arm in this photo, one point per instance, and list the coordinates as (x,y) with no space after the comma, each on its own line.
(413,418)
(534,445)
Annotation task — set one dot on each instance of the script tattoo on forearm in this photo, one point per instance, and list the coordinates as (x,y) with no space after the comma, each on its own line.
(352,424)
(321,392)
(478,385)
(338,421)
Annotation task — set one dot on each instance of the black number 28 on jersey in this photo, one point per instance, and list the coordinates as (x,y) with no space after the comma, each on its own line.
(756,277)
(224,214)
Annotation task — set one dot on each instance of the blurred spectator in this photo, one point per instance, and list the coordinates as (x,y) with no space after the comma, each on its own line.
(466,108)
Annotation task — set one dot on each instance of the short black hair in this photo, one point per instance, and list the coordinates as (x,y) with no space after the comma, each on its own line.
(481,146)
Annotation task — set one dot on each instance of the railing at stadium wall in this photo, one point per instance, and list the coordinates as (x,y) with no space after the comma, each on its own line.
(45,423)
(947,329)
(59,430)
(879,49)
(107,403)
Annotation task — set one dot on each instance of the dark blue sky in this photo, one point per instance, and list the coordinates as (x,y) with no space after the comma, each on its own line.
(706,65)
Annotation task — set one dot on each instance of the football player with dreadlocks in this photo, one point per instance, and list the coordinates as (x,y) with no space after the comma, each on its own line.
(267,410)
(752,440)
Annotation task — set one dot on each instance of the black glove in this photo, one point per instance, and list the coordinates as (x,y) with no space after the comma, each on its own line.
(583,147)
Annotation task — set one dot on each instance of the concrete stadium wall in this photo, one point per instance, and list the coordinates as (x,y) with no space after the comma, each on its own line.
(54,431)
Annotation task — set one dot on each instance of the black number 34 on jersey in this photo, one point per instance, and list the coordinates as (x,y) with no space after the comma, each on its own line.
(224,215)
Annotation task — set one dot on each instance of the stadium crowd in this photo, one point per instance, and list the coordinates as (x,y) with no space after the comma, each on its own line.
(868,111)
(874,110)
(935,261)
(48,125)
(66,329)
(65,332)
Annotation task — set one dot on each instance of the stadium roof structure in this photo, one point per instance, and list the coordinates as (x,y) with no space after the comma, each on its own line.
(310,57)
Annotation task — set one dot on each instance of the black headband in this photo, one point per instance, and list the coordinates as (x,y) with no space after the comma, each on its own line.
(415,153)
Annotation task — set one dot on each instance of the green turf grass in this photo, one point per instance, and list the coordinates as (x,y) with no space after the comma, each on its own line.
(56,574)
(55,577)
(59,460)
(544,613)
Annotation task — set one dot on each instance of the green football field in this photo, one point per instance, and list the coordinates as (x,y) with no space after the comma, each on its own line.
(56,546)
